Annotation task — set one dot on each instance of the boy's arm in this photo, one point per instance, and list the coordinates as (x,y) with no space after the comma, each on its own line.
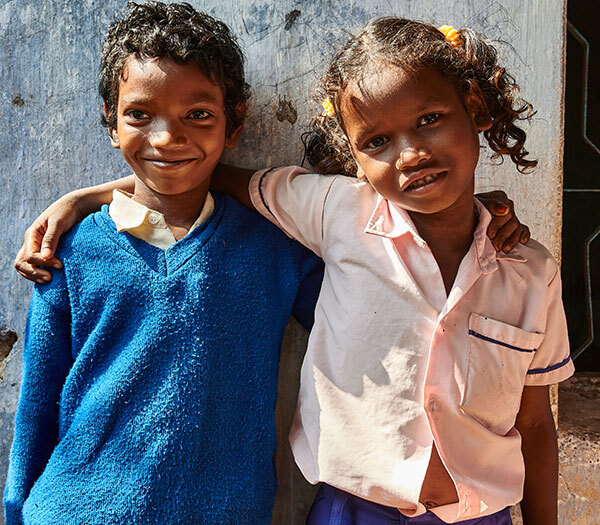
(41,238)
(540,452)
(234,181)
(46,363)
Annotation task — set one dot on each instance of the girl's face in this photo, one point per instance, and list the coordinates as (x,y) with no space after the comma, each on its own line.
(414,138)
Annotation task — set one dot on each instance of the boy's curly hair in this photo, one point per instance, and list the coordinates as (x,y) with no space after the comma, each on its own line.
(180,33)
(413,46)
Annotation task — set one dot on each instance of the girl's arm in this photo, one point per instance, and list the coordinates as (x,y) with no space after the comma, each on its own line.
(540,452)
(41,238)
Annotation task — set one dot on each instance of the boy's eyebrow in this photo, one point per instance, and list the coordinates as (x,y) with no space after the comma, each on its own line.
(193,98)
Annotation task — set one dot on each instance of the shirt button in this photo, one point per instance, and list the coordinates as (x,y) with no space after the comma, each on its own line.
(153,218)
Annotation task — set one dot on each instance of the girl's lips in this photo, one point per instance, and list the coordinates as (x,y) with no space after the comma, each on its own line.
(423,183)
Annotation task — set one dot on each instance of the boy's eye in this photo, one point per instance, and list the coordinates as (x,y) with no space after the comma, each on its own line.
(199,114)
(137,114)
(427,120)
(375,143)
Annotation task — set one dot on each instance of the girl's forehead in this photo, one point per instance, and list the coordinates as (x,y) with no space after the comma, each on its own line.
(399,87)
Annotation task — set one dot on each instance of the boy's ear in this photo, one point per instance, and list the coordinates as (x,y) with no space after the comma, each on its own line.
(112,132)
(232,139)
(477,107)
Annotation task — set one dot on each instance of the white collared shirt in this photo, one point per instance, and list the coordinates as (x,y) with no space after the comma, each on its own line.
(393,363)
(146,224)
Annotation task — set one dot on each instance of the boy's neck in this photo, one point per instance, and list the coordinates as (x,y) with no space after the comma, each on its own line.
(180,211)
(449,235)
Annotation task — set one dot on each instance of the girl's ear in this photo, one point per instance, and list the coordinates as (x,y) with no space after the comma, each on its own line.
(232,139)
(112,133)
(360,173)
(477,107)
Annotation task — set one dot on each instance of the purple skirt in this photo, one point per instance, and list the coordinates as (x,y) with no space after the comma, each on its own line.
(336,507)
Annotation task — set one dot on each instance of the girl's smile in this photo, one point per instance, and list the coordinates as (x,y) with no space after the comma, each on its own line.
(414,138)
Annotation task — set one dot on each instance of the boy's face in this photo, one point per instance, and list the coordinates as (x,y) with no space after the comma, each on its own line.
(171,124)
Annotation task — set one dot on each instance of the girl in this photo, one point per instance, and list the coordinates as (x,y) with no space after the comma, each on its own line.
(424,391)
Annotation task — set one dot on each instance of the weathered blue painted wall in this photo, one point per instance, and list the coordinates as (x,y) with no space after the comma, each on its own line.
(51,140)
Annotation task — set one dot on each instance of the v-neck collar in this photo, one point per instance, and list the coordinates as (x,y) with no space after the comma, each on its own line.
(169,261)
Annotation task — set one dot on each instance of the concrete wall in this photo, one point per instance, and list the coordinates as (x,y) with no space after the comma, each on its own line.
(51,140)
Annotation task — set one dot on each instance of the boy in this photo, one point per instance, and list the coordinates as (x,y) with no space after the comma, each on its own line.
(143,399)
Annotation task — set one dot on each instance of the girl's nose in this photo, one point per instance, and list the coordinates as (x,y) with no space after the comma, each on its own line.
(411,157)
(165,133)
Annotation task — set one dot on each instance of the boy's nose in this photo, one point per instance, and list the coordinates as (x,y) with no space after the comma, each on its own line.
(411,157)
(166,133)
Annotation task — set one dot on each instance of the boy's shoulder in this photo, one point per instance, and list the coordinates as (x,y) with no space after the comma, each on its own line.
(92,230)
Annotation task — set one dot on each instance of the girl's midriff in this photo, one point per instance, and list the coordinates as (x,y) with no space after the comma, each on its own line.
(438,488)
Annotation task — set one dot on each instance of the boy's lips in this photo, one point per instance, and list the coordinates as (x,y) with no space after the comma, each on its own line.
(168,163)
(422,178)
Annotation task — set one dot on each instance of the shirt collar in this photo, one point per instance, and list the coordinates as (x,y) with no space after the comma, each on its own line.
(389,220)
(128,214)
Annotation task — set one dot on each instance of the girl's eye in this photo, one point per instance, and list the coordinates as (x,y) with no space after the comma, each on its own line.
(427,120)
(137,114)
(199,114)
(375,143)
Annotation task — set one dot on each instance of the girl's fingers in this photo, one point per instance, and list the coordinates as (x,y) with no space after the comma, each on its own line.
(50,239)
(38,275)
(37,259)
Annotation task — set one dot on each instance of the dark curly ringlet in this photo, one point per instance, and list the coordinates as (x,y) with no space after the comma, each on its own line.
(180,33)
(414,46)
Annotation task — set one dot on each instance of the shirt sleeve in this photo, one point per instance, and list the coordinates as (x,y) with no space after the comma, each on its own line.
(552,362)
(46,362)
(293,199)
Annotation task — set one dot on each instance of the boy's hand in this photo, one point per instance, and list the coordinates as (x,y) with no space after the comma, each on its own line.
(41,239)
(505,230)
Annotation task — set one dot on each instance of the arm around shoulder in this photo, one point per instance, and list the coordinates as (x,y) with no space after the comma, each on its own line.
(41,238)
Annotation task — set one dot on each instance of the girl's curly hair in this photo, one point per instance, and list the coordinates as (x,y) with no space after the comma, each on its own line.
(413,46)
(180,33)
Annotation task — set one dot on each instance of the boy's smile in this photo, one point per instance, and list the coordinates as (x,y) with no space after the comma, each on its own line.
(171,125)
(414,139)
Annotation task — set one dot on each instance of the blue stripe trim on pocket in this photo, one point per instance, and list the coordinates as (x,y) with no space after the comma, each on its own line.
(549,368)
(495,341)
(261,193)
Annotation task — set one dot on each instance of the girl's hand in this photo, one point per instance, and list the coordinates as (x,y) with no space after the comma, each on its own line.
(41,239)
(505,230)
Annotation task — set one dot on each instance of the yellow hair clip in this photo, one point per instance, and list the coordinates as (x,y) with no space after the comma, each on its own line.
(452,36)
(328,107)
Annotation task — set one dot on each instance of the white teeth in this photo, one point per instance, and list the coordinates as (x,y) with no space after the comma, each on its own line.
(428,179)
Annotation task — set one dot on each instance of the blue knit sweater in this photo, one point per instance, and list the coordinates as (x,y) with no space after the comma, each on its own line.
(150,376)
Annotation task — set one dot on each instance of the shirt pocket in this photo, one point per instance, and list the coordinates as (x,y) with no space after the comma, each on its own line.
(499,356)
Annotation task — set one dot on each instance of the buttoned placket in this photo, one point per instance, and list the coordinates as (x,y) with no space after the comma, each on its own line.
(478,261)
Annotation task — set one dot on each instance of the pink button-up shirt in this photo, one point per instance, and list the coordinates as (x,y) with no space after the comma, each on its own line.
(393,364)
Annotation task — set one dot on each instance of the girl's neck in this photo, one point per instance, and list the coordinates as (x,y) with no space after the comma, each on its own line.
(449,235)
(180,211)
